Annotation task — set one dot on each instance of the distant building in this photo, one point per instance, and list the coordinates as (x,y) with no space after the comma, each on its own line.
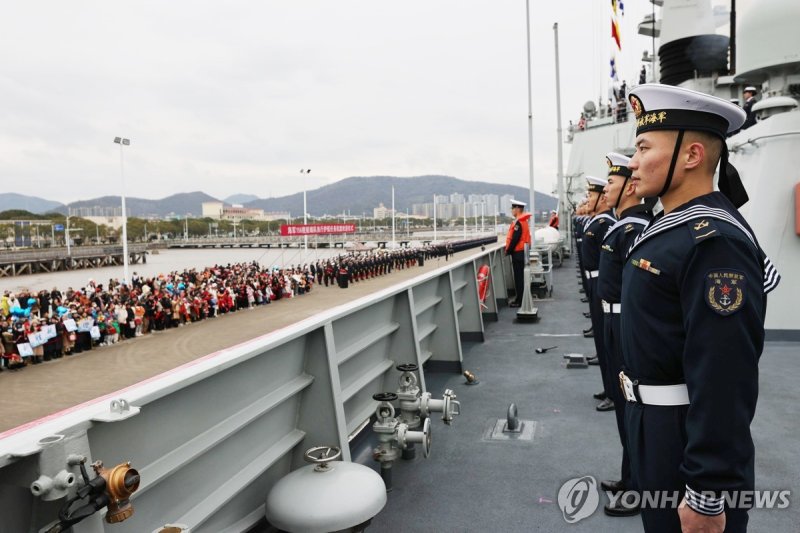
(458,205)
(381,212)
(505,204)
(492,204)
(236,213)
(96,211)
(422,210)
(457,198)
(276,215)
(213,210)
(114,222)
(446,211)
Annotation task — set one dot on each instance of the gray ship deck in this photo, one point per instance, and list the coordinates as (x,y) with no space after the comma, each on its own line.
(470,484)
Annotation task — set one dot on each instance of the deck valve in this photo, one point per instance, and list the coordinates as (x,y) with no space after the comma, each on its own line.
(415,404)
(395,436)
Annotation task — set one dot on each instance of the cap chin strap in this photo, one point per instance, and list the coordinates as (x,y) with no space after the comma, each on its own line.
(596,202)
(672,163)
(730,184)
(621,191)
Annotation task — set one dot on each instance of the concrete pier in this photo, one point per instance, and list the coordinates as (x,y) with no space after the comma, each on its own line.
(31,261)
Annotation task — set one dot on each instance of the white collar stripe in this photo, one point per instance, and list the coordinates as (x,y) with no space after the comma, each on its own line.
(676,219)
(626,220)
(771,275)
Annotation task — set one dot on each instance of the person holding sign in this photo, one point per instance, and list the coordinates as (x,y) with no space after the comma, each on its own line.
(37,340)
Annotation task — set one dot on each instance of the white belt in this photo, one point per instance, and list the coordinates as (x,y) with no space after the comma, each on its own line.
(611,308)
(580,240)
(592,273)
(653,394)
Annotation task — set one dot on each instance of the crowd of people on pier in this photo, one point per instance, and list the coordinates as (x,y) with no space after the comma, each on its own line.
(39,326)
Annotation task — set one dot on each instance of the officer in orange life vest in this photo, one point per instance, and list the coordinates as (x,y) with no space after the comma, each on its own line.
(553,223)
(518,236)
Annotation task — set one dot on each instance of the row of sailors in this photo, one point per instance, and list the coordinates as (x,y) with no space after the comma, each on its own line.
(677,303)
(356,266)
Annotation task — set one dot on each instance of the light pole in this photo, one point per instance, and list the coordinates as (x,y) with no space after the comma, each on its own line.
(66,235)
(393,241)
(305,171)
(465,219)
(123,142)
(434,218)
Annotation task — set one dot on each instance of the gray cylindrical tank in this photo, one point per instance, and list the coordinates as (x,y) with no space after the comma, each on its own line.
(328,496)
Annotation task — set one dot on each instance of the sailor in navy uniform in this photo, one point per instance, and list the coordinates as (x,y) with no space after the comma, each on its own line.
(694,288)
(577,229)
(632,216)
(749,100)
(580,222)
(593,235)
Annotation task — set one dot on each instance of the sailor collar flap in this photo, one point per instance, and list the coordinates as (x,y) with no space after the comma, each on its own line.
(696,214)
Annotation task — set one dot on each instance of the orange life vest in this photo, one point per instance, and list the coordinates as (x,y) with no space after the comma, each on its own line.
(526,233)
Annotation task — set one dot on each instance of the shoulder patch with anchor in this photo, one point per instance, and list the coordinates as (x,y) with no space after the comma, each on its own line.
(628,227)
(724,291)
(702,229)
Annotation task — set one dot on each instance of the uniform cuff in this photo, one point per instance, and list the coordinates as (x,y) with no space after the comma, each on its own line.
(704,502)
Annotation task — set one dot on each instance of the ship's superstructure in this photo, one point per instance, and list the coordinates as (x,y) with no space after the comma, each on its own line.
(692,54)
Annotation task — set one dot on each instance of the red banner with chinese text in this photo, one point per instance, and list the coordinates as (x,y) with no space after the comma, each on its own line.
(293,230)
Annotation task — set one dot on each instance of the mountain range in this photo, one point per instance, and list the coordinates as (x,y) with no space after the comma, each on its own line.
(361,194)
(32,204)
(357,195)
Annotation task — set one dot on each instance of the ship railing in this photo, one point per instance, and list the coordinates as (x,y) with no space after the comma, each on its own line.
(210,438)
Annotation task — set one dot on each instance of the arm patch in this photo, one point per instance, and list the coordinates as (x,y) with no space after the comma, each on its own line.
(724,291)
(701,229)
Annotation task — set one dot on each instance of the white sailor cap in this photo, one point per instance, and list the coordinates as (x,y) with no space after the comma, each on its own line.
(518,203)
(750,89)
(596,184)
(666,107)
(618,164)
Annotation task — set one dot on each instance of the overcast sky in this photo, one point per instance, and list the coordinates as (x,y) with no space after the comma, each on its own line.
(237,97)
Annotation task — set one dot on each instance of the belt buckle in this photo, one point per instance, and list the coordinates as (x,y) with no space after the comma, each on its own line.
(627,387)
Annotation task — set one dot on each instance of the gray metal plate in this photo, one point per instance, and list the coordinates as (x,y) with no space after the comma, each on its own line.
(494,431)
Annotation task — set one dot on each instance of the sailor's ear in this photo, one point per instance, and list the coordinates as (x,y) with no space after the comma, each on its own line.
(694,155)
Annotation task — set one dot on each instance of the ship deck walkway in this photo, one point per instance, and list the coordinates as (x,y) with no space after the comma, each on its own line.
(472,484)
